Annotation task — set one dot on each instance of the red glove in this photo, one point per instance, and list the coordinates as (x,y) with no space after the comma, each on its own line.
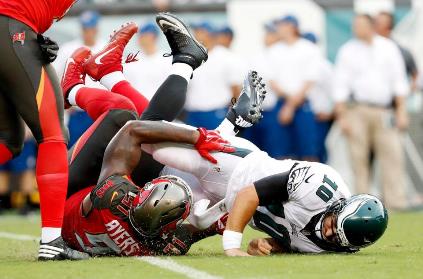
(221,224)
(211,141)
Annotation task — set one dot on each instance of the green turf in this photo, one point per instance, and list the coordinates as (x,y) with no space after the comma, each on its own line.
(399,254)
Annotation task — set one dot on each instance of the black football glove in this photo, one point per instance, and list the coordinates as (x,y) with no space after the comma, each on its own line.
(48,47)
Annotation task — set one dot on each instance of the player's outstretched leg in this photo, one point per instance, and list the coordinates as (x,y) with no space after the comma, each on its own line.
(106,66)
(188,55)
(94,101)
(169,99)
(247,110)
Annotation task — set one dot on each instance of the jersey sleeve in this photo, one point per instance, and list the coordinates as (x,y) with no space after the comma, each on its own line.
(116,194)
(272,188)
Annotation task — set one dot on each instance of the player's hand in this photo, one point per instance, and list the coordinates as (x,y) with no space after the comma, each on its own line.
(209,141)
(401,119)
(344,125)
(259,247)
(49,48)
(286,114)
(236,253)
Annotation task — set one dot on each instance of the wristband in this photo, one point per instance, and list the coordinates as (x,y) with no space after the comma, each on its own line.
(231,240)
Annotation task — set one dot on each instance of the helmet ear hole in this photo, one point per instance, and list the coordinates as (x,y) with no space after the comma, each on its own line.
(165,187)
(369,208)
(155,203)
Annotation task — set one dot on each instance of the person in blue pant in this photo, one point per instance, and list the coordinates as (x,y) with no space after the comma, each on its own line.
(293,63)
(22,170)
(215,83)
(321,100)
(79,122)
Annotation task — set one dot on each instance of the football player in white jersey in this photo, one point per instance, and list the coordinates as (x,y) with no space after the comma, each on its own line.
(302,206)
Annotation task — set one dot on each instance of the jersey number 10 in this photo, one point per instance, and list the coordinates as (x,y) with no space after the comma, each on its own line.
(324,192)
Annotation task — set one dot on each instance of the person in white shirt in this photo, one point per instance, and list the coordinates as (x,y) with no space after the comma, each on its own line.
(150,71)
(79,121)
(321,101)
(370,77)
(262,133)
(385,23)
(294,66)
(225,36)
(215,83)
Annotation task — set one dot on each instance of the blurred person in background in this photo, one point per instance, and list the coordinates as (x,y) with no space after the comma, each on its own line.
(150,71)
(18,187)
(79,121)
(225,36)
(370,91)
(321,101)
(215,83)
(294,65)
(261,134)
(385,23)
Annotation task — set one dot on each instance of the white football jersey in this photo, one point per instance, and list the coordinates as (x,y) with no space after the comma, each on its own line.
(312,187)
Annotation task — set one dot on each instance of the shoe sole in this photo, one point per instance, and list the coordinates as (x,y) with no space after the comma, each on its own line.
(112,36)
(258,94)
(168,17)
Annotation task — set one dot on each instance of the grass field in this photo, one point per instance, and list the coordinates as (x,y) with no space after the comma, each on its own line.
(399,254)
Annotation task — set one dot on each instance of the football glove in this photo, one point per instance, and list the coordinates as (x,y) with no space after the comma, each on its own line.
(211,141)
(49,48)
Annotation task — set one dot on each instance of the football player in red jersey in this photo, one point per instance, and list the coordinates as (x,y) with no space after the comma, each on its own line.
(30,91)
(116,217)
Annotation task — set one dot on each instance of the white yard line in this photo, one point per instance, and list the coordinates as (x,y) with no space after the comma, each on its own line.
(173,266)
(163,263)
(15,236)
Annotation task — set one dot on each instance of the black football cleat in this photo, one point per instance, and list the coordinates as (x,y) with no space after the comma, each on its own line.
(247,110)
(185,48)
(58,250)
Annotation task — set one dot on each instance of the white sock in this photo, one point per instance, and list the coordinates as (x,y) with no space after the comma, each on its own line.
(50,234)
(182,70)
(226,128)
(72,94)
(112,79)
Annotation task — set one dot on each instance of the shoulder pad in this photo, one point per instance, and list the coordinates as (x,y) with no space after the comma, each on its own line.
(112,193)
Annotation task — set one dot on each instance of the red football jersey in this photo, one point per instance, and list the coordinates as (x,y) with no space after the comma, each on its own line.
(106,229)
(101,232)
(37,14)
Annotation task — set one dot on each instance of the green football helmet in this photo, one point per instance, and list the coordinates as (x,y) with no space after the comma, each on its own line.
(360,221)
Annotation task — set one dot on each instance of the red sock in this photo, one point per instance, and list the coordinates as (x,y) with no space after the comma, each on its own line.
(124,88)
(5,154)
(98,101)
(52,179)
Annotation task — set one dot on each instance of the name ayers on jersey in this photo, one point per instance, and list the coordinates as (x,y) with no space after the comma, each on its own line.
(126,243)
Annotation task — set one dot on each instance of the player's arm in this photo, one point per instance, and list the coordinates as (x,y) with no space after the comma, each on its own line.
(263,192)
(124,151)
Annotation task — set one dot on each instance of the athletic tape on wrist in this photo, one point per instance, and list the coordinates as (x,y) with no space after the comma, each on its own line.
(231,240)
